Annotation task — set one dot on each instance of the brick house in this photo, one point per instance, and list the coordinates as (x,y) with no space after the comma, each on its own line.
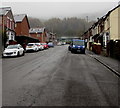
(39,33)
(7,25)
(21,25)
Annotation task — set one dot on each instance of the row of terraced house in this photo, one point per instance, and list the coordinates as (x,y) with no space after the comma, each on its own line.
(103,37)
(16,29)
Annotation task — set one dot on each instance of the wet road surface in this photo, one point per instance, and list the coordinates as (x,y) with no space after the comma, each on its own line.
(56,77)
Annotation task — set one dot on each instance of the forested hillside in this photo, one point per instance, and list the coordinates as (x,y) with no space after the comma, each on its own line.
(63,27)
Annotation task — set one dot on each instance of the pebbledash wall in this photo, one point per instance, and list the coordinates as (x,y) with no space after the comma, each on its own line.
(119,23)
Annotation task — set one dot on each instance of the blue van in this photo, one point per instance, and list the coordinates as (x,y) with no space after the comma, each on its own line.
(77,45)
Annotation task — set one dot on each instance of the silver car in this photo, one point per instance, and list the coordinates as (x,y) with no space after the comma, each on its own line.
(32,47)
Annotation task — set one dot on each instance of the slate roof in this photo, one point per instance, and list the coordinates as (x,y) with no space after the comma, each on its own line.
(19,17)
(36,30)
(4,10)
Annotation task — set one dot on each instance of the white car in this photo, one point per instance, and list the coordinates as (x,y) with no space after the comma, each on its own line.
(40,46)
(13,50)
(59,43)
(32,47)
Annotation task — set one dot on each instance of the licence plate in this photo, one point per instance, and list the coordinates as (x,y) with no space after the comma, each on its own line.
(30,47)
(78,50)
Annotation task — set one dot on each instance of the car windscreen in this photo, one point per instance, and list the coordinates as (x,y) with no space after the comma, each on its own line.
(12,46)
(50,43)
(43,43)
(30,44)
(37,44)
(81,43)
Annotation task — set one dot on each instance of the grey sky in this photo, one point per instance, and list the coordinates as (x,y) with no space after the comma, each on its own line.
(60,9)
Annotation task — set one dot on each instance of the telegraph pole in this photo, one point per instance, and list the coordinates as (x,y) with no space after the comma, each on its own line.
(87,19)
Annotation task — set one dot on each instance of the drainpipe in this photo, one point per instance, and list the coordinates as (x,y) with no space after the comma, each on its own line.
(2,32)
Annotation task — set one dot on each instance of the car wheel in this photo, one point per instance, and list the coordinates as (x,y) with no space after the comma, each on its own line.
(72,51)
(36,49)
(18,54)
(83,51)
(68,48)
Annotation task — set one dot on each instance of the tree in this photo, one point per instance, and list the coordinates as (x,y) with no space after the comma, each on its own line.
(63,27)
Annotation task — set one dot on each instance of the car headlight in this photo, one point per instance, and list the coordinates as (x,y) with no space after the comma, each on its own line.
(83,46)
(73,45)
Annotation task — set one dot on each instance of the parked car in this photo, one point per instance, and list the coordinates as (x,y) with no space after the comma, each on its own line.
(59,43)
(32,47)
(45,45)
(77,46)
(63,43)
(40,47)
(13,50)
(50,44)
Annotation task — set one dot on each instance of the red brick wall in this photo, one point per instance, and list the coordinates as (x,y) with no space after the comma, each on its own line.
(10,16)
(1,21)
(22,28)
(18,29)
(34,35)
(25,27)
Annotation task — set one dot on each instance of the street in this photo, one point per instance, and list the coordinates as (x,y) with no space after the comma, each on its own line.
(56,77)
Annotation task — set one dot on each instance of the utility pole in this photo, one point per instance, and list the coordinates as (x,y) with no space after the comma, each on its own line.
(87,19)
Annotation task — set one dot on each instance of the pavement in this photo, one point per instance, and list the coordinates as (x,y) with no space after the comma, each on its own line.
(111,63)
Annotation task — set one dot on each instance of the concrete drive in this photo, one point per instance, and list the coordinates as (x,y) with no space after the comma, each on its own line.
(56,77)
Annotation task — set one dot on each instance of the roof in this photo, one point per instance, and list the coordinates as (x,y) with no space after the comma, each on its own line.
(37,30)
(19,17)
(109,12)
(4,10)
(114,9)
(102,18)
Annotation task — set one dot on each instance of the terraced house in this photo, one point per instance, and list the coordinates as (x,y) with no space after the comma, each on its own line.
(112,24)
(106,32)
(7,25)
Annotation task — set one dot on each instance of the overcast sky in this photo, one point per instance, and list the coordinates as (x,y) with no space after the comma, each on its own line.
(62,9)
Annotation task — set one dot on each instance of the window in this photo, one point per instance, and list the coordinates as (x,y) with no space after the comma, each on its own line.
(11,37)
(15,25)
(38,35)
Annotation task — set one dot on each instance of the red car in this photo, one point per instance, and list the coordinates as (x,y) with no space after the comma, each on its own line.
(45,45)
